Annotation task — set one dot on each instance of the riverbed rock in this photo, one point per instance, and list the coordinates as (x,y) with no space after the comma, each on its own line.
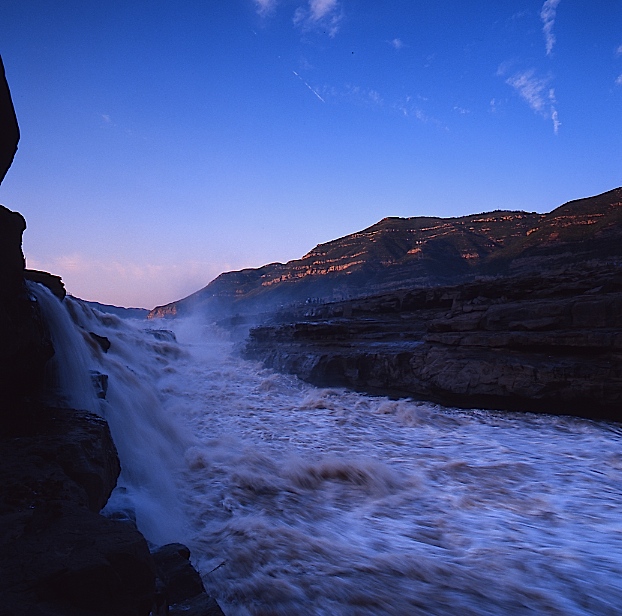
(57,554)
(548,343)
(181,584)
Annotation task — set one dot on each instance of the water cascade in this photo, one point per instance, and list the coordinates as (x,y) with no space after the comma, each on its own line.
(151,448)
(298,500)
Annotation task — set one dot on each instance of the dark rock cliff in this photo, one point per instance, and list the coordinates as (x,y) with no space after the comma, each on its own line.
(550,343)
(58,466)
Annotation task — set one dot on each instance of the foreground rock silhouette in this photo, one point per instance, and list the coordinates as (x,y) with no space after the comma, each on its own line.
(58,466)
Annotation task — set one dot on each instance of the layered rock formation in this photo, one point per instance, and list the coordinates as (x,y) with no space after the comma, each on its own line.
(547,343)
(502,310)
(405,253)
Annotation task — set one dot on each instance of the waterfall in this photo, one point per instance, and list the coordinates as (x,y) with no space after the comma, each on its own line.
(151,449)
(299,500)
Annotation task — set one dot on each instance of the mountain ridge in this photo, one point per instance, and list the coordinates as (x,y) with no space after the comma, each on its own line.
(417,251)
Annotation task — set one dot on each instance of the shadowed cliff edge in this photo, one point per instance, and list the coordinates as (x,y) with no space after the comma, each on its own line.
(535,326)
(58,467)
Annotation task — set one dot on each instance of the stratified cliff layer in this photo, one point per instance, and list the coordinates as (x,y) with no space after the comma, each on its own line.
(546,343)
(406,253)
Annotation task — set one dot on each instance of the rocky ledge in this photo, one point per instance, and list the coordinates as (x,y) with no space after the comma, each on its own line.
(58,555)
(545,343)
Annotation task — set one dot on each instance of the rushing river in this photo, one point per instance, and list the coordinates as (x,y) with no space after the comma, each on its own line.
(299,500)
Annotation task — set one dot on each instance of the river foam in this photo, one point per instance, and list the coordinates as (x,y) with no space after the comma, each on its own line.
(299,500)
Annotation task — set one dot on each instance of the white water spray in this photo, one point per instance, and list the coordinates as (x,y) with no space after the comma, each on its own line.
(322,501)
(151,448)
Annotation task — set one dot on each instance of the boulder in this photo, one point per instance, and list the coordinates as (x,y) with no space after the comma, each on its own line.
(57,554)
(181,588)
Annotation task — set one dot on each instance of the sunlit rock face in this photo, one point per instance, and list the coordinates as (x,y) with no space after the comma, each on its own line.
(407,253)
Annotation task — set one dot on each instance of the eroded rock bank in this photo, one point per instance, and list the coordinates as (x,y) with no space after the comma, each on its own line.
(548,342)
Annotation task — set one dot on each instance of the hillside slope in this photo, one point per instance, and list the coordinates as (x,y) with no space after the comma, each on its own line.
(404,253)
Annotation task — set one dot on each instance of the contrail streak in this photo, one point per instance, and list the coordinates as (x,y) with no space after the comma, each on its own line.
(308,86)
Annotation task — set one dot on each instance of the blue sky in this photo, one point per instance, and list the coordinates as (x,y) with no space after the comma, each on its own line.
(165,142)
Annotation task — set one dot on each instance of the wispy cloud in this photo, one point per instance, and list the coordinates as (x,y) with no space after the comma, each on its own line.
(619,51)
(619,80)
(125,283)
(319,14)
(536,92)
(362,96)
(547,15)
(321,8)
(530,88)
(265,6)
(410,107)
(396,43)
(553,111)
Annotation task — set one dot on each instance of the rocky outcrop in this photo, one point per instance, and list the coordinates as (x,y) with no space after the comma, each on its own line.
(9,130)
(548,343)
(57,555)
(406,253)
(25,344)
(181,587)
(53,283)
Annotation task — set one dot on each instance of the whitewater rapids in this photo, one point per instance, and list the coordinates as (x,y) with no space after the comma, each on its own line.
(298,500)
